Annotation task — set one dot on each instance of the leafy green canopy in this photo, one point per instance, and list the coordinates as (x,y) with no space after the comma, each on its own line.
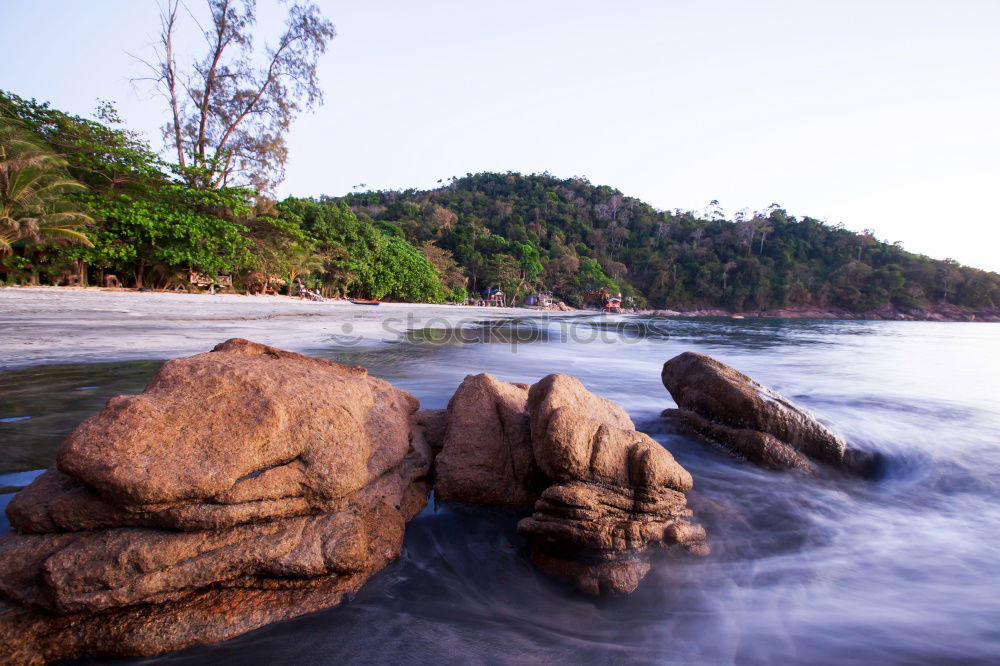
(151,228)
(485,231)
(33,186)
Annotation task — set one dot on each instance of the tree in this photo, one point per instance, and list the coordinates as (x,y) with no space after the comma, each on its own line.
(452,277)
(505,273)
(230,110)
(174,228)
(728,266)
(105,158)
(33,194)
(865,239)
(765,227)
(950,274)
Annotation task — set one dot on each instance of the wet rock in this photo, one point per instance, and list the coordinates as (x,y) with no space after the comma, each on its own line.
(249,485)
(757,447)
(242,423)
(558,390)
(487,456)
(615,492)
(244,486)
(721,404)
(434,422)
(602,493)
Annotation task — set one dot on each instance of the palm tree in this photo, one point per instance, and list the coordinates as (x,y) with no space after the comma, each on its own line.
(33,186)
(302,259)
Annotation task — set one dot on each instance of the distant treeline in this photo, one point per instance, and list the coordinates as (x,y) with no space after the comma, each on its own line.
(522,232)
(149,227)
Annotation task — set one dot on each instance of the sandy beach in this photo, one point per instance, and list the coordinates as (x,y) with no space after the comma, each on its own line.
(46,325)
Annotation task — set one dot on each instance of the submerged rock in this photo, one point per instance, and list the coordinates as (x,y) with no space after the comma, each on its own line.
(243,486)
(721,404)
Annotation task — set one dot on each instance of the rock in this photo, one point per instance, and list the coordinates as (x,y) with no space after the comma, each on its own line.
(758,447)
(603,494)
(578,447)
(557,390)
(615,492)
(249,485)
(245,432)
(242,423)
(723,405)
(434,422)
(487,456)
(243,486)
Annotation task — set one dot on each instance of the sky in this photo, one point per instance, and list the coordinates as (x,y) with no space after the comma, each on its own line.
(877,114)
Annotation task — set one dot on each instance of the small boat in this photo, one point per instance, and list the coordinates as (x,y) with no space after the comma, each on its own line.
(362,301)
(737,316)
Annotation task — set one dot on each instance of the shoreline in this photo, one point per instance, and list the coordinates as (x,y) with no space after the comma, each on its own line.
(66,325)
(944,312)
(940,313)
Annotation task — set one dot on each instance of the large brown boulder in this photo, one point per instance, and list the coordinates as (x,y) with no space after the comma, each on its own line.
(244,486)
(721,404)
(486,455)
(249,485)
(603,494)
(614,494)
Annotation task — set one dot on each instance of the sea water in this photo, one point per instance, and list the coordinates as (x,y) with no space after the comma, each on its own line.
(903,569)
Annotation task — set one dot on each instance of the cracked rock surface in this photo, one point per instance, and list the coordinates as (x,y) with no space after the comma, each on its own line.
(243,486)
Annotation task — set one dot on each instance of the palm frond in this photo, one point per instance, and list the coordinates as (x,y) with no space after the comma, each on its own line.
(65,233)
(33,183)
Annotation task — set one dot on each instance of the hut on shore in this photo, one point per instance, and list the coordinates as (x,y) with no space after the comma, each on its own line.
(542,300)
(493,297)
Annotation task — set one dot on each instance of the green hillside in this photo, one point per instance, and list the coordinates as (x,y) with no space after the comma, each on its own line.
(521,232)
(84,200)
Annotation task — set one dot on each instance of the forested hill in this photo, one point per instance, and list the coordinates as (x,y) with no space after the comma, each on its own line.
(521,233)
(90,202)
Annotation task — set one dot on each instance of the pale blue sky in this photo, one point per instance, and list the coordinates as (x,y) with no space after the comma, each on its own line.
(880,114)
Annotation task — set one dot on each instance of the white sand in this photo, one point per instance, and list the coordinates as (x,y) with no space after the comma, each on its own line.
(72,325)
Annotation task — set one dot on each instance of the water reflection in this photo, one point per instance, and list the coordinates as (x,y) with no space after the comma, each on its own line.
(41,405)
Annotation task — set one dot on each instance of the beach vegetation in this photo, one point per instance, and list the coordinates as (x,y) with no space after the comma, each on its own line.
(35,205)
(148,224)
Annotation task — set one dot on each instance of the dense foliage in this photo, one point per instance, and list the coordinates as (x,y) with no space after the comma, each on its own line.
(151,228)
(526,232)
(33,188)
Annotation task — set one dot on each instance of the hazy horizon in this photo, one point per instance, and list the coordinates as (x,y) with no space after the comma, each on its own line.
(878,115)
